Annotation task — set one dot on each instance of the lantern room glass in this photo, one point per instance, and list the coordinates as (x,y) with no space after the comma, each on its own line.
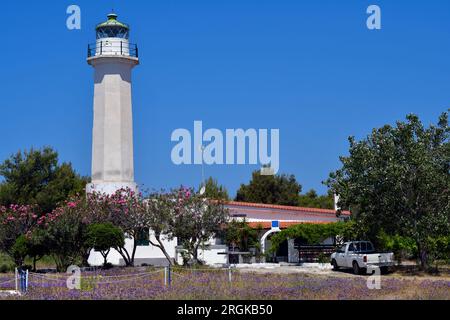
(113,32)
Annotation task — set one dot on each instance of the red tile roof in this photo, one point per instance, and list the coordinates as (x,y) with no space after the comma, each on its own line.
(283,224)
(287,208)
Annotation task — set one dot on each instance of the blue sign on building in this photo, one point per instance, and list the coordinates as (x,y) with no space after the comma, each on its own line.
(275,224)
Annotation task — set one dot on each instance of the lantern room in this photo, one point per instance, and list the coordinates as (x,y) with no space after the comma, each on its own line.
(112,39)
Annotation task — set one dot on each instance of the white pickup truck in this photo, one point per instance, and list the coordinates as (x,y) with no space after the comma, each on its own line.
(359,256)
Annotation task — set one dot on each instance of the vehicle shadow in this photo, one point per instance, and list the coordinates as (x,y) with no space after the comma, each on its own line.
(365,273)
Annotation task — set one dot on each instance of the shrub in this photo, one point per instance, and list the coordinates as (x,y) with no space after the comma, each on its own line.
(313,233)
(104,236)
(402,247)
(6,264)
(323,258)
(6,268)
(19,250)
(15,221)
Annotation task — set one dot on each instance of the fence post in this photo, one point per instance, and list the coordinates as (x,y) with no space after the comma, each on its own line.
(16,275)
(26,281)
(21,280)
(230,279)
(170,275)
(167,276)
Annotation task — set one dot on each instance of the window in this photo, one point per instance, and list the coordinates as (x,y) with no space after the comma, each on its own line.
(112,32)
(351,248)
(143,238)
(363,246)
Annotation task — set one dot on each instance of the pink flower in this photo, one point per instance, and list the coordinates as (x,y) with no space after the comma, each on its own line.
(72,205)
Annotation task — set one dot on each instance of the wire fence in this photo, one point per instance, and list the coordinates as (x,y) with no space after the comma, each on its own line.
(159,278)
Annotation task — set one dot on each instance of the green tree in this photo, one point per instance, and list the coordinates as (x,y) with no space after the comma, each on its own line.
(239,234)
(312,200)
(65,235)
(103,237)
(35,178)
(20,250)
(402,247)
(270,189)
(215,191)
(196,221)
(37,245)
(397,180)
(126,210)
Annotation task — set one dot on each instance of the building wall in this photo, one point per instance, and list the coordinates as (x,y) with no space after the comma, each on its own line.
(216,254)
(149,255)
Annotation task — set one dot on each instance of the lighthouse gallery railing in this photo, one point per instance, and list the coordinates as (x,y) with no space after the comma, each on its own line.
(113,48)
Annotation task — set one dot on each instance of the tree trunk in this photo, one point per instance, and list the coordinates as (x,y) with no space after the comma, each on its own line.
(163,250)
(126,257)
(423,256)
(85,254)
(133,253)
(105,257)
(195,254)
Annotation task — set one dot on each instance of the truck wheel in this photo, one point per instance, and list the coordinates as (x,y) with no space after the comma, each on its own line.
(356,269)
(384,270)
(335,265)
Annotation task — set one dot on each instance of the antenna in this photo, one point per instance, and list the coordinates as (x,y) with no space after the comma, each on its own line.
(203,189)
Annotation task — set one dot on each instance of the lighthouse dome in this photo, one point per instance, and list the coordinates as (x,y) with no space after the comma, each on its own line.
(112,28)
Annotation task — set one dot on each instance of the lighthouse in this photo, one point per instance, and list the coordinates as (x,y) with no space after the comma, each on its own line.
(113,58)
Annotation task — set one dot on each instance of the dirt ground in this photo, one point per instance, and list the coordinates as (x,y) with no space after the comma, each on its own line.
(405,272)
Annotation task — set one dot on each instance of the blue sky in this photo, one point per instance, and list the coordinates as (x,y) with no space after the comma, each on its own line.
(309,68)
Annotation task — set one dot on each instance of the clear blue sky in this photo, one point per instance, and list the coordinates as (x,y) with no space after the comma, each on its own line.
(310,68)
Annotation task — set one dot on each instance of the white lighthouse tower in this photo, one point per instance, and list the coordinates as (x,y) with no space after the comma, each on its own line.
(113,59)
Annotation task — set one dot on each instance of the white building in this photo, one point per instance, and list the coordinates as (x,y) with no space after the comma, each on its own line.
(269,218)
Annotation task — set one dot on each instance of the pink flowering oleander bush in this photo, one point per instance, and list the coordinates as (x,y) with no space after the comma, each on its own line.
(196,220)
(15,221)
(62,233)
(65,230)
(130,284)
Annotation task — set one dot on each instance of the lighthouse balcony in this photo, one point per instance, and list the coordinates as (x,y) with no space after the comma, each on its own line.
(113,48)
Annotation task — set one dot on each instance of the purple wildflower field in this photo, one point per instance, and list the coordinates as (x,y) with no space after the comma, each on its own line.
(125,284)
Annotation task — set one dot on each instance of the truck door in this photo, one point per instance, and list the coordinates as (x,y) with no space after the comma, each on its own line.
(340,256)
(349,254)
